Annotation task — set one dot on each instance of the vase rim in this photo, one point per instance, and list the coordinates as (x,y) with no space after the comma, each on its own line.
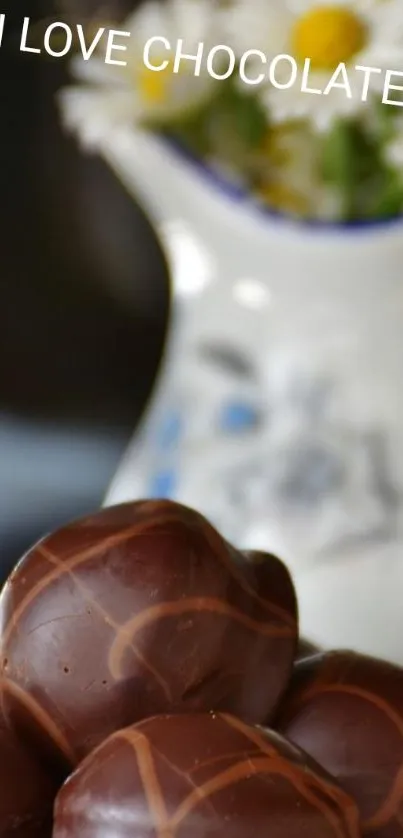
(240,195)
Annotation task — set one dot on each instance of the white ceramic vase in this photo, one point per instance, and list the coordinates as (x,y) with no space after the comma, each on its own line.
(278,411)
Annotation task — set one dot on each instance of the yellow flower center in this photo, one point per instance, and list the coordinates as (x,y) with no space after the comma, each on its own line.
(153,86)
(328,35)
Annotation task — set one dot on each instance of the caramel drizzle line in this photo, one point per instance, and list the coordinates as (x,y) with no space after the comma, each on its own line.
(336,794)
(387,810)
(168,609)
(139,528)
(167,827)
(250,733)
(40,715)
(244,770)
(273,764)
(67,565)
(149,779)
(109,621)
(188,775)
(200,766)
(218,545)
(240,771)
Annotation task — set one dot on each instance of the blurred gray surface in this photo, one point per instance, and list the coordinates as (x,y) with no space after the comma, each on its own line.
(50,474)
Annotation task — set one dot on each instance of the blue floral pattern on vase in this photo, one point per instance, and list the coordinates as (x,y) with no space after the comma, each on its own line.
(237,416)
(241,460)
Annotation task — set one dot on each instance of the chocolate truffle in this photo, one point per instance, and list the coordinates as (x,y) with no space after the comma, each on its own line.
(137,610)
(201,776)
(346,710)
(27,791)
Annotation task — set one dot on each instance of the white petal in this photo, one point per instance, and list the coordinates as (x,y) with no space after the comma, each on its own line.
(94,114)
(319,110)
(256,24)
(149,20)
(385,56)
(96,71)
(192,20)
(300,7)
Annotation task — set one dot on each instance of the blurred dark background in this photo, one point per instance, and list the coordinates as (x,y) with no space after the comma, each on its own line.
(83,301)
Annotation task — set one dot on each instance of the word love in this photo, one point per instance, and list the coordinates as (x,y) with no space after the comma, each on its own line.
(59,39)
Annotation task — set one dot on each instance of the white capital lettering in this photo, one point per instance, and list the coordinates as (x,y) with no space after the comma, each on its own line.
(341,70)
(87,51)
(294,71)
(243,61)
(196,58)
(24,34)
(48,34)
(367,77)
(388,86)
(111,46)
(2,19)
(146,54)
(305,77)
(232,60)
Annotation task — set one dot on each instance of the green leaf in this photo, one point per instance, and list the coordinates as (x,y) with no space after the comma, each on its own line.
(241,113)
(228,126)
(388,197)
(384,118)
(338,163)
(351,161)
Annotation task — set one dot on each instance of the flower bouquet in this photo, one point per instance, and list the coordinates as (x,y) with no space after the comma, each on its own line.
(265,141)
(298,102)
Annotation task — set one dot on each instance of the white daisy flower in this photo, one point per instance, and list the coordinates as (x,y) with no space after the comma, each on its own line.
(134,93)
(368,33)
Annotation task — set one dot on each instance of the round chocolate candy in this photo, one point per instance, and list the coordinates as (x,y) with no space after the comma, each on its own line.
(346,710)
(137,610)
(27,791)
(201,776)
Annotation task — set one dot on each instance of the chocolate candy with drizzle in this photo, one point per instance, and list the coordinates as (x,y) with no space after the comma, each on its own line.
(27,791)
(346,710)
(201,776)
(137,610)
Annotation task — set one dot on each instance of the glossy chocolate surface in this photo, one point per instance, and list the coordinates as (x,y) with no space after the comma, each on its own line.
(346,710)
(27,792)
(137,610)
(201,776)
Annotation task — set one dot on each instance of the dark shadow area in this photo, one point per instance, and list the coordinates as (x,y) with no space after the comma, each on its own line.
(83,307)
